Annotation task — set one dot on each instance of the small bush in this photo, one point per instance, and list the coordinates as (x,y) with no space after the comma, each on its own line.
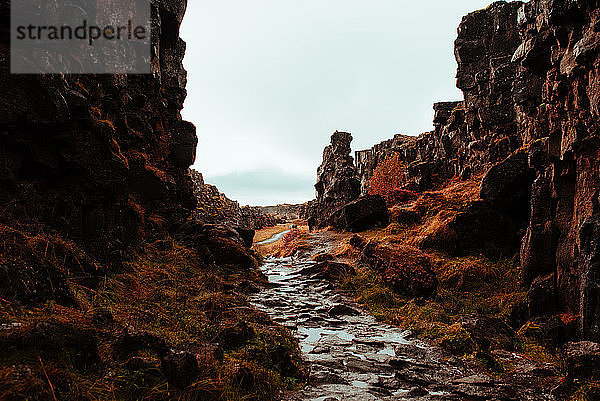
(458,341)
(388,178)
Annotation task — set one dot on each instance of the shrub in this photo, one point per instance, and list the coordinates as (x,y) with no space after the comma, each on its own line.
(458,341)
(388,179)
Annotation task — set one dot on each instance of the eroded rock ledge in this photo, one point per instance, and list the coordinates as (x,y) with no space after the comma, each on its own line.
(101,159)
(530,77)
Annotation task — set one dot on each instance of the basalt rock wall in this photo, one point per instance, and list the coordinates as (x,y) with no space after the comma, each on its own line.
(557,104)
(469,135)
(529,121)
(101,160)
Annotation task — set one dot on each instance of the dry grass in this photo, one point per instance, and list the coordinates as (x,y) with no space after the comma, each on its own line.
(467,285)
(293,242)
(167,294)
(266,233)
(278,248)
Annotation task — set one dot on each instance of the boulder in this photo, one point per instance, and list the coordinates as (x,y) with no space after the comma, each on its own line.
(217,244)
(487,331)
(282,358)
(342,310)
(506,185)
(478,229)
(358,242)
(407,270)
(234,336)
(181,368)
(582,360)
(53,340)
(362,214)
(328,270)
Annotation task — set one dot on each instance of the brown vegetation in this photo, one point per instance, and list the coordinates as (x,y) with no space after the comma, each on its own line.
(471,287)
(166,327)
(293,242)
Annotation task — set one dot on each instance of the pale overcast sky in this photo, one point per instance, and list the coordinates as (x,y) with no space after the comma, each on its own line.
(270,80)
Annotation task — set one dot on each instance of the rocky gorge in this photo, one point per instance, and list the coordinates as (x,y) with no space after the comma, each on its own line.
(525,129)
(109,287)
(124,276)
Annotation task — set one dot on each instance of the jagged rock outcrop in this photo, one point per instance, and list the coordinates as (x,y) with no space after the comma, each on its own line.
(100,159)
(530,77)
(472,134)
(337,181)
(214,207)
(336,176)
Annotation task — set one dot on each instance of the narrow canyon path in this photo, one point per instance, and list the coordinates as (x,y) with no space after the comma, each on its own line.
(353,357)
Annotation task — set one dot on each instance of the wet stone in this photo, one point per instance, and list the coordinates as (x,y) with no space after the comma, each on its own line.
(353,357)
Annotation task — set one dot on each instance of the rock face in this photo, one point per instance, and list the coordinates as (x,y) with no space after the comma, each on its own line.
(213,207)
(406,269)
(101,159)
(337,182)
(557,100)
(530,77)
(366,212)
(470,135)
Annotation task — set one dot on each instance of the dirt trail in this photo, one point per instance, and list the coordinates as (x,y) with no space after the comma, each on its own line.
(353,357)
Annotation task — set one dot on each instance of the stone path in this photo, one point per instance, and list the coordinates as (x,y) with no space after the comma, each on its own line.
(353,357)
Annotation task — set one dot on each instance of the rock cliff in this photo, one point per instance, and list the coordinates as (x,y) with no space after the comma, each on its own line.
(528,125)
(557,104)
(100,159)
(108,289)
(469,135)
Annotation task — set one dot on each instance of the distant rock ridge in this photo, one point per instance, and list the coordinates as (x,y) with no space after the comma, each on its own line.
(283,213)
(529,121)
(214,207)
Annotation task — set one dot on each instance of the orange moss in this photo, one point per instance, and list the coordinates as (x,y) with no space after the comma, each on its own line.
(388,176)
(168,296)
(293,242)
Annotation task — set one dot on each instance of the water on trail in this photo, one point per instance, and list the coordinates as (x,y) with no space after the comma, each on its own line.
(353,357)
(274,238)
